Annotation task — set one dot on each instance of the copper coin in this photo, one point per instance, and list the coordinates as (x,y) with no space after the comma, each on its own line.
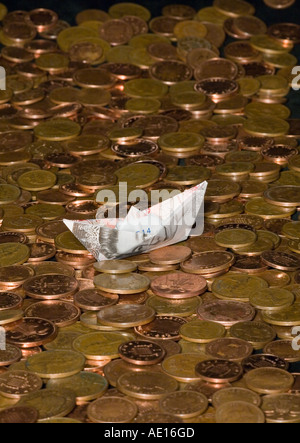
(217,88)
(81,208)
(116,32)
(249,265)
(241,52)
(181,12)
(208,161)
(60,313)
(256,69)
(41,252)
(279,154)
(14,276)
(61,160)
(228,313)
(219,371)
(170,255)
(264,361)
(208,262)
(178,114)
(231,349)
(203,244)
(217,67)
(123,71)
(14,141)
(133,299)
(153,126)
(73,190)
(94,300)
(93,78)
(78,262)
(32,332)
(256,143)
(162,51)
(11,355)
(39,47)
(19,414)
(281,261)
(138,148)
(19,32)
(138,25)
(53,197)
(50,287)
(207,389)
(219,134)
(13,237)
(9,300)
(179,286)
(276,225)
(142,353)
(285,33)
(47,232)
(162,328)
(42,19)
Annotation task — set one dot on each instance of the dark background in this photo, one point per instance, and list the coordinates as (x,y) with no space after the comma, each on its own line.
(67,10)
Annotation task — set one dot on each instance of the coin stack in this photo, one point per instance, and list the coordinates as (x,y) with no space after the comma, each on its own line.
(199,332)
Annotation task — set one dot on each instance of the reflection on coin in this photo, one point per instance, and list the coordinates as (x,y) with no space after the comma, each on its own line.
(239,412)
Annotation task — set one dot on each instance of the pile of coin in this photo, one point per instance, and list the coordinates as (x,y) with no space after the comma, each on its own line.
(199,332)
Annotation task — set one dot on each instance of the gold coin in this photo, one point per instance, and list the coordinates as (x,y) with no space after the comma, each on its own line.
(268,45)
(57,129)
(181,367)
(138,175)
(224,396)
(181,308)
(46,211)
(190,28)
(115,267)
(286,317)
(56,364)
(184,404)
(112,410)
(67,242)
(239,412)
(181,141)
(143,106)
(50,403)
(126,316)
(249,86)
(260,207)
(272,299)
(125,134)
(254,110)
(101,345)
(284,350)
(13,254)
(70,36)
(10,316)
(211,15)
(198,331)
(145,40)
(272,405)
(87,386)
(37,180)
(187,175)
(119,10)
(269,380)
(292,230)
(265,126)
(276,279)
(234,9)
(53,63)
(235,238)
(256,333)
(146,385)
(145,88)
(237,287)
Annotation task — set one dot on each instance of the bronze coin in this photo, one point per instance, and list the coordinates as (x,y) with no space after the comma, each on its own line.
(264,361)
(47,232)
(133,299)
(78,262)
(281,261)
(11,355)
(249,265)
(142,353)
(170,255)
(50,287)
(19,414)
(162,328)
(138,148)
(32,332)
(171,72)
(116,32)
(14,276)
(42,19)
(9,300)
(219,371)
(94,300)
(60,313)
(228,313)
(217,88)
(179,286)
